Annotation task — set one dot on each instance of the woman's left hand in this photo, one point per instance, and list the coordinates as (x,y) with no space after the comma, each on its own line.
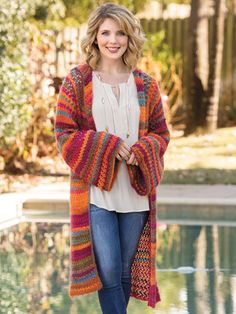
(132,160)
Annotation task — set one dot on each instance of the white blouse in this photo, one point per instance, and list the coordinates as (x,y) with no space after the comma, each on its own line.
(118,117)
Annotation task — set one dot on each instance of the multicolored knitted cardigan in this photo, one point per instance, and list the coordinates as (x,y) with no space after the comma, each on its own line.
(91,158)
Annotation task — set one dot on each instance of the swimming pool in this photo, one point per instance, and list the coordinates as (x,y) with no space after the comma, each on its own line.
(196,270)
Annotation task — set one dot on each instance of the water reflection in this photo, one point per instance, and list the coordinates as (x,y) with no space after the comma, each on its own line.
(196,271)
(208,250)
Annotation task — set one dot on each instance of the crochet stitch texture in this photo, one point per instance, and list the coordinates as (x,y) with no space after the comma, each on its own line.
(91,158)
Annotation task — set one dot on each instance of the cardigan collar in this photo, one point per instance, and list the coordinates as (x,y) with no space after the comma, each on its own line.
(87,71)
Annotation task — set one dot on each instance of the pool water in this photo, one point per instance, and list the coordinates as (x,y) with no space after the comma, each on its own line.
(196,271)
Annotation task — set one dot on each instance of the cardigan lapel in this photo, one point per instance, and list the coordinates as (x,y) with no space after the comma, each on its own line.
(142,102)
(86,71)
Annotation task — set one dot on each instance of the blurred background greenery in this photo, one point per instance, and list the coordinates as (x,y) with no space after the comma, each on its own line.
(190,51)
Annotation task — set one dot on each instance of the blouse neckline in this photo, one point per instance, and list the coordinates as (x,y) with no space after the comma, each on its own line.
(109,84)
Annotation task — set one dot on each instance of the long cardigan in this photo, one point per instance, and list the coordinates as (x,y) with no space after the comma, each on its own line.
(91,158)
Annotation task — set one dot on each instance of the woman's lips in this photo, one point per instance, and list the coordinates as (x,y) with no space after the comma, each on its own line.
(113,49)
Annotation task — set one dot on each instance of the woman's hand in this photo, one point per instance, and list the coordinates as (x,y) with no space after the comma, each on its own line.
(132,160)
(124,152)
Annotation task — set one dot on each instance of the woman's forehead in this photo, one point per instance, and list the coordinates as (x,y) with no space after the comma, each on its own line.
(110,23)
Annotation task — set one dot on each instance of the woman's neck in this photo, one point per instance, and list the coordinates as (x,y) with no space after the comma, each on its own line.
(111,67)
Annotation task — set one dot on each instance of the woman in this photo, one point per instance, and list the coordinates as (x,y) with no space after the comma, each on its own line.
(111,131)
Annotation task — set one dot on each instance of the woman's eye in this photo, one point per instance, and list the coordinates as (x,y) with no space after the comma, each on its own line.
(122,33)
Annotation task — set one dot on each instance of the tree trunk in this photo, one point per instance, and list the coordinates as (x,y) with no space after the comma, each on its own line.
(215,66)
(198,64)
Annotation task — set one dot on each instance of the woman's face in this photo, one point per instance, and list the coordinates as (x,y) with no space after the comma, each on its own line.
(111,40)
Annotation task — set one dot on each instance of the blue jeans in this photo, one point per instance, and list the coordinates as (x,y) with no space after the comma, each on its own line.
(115,238)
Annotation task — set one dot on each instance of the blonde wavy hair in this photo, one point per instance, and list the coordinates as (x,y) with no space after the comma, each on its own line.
(129,24)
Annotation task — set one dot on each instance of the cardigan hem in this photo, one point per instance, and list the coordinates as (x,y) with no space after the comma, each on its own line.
(150,303)
(77,292)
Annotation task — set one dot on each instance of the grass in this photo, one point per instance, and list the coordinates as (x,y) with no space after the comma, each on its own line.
(202,159)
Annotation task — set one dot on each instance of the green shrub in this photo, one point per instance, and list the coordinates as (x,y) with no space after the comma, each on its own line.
(14,76)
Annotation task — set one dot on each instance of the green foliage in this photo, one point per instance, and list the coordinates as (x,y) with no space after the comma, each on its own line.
(159,61)
(14,77)
(16,18)
(166,2)
(160,50)
(14,297)
(49,14)
(77,11)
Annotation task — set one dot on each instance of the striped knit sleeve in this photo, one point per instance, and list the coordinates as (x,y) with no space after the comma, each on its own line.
(89,154)
(149,149)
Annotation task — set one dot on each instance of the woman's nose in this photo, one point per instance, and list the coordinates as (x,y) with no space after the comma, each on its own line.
(113,38)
